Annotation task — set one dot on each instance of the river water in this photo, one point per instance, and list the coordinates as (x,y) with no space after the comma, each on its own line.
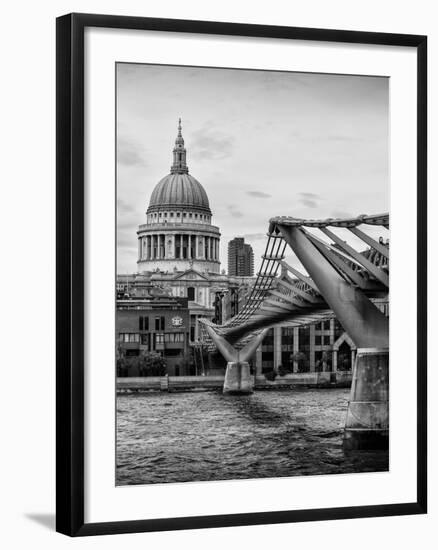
(204,436)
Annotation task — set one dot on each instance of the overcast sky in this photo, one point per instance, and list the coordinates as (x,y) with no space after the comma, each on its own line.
(261,143)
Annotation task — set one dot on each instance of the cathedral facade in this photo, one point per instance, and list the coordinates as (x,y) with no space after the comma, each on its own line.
(178,253)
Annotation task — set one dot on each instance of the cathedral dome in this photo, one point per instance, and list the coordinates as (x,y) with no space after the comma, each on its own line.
(179,190)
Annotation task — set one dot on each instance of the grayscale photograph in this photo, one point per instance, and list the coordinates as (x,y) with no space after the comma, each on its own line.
(252,274)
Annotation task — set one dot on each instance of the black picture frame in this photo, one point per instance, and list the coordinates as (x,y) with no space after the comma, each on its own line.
(70,273)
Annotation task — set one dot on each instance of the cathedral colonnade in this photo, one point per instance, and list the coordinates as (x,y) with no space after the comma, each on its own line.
(179,246)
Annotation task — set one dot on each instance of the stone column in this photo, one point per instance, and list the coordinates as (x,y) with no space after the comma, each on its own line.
(312,348)
(206,245)
(189,247)
(175,240)
(277,347)
(335,360)
(170,246)
(296,346)
(259,361)
(352,358)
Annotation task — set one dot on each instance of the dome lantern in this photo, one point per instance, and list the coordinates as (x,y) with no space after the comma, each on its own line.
(179,165)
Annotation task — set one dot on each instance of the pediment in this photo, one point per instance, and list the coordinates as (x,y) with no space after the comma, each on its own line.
(344,338)
(191,275)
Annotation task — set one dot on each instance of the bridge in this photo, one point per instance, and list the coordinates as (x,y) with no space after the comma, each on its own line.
(339,281)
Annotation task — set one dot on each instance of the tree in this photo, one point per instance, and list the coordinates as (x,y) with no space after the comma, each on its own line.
(147,364)
(152,363)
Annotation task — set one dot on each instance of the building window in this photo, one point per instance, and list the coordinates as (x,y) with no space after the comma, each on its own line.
(143,323)
(177,214)
(159,323)
(196,216)
(171,214)
(317,340)
(327,324)
(184,214)
(191,293)
(190,215)
(173,337)
(268,340)
(129,337)
(159,338)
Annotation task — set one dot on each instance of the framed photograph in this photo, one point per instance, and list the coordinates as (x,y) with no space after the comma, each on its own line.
(232,346)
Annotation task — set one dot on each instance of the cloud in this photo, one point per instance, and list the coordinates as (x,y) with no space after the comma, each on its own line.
(124,207)
(311,200)
(210,144)
(310,195)
(258,194)
(129,153)
(234,211)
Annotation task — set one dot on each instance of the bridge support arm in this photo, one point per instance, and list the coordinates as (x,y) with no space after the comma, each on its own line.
(364,322)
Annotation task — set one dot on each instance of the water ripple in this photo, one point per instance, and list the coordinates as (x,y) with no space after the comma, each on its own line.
(210,436)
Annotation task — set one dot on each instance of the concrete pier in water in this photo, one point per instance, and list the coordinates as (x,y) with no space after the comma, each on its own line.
(367,423)
(238,379)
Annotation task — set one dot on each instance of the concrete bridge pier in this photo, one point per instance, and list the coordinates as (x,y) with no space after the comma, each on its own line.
(238,379)
(367,424)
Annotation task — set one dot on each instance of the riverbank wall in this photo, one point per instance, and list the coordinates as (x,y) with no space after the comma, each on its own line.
(215,383)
